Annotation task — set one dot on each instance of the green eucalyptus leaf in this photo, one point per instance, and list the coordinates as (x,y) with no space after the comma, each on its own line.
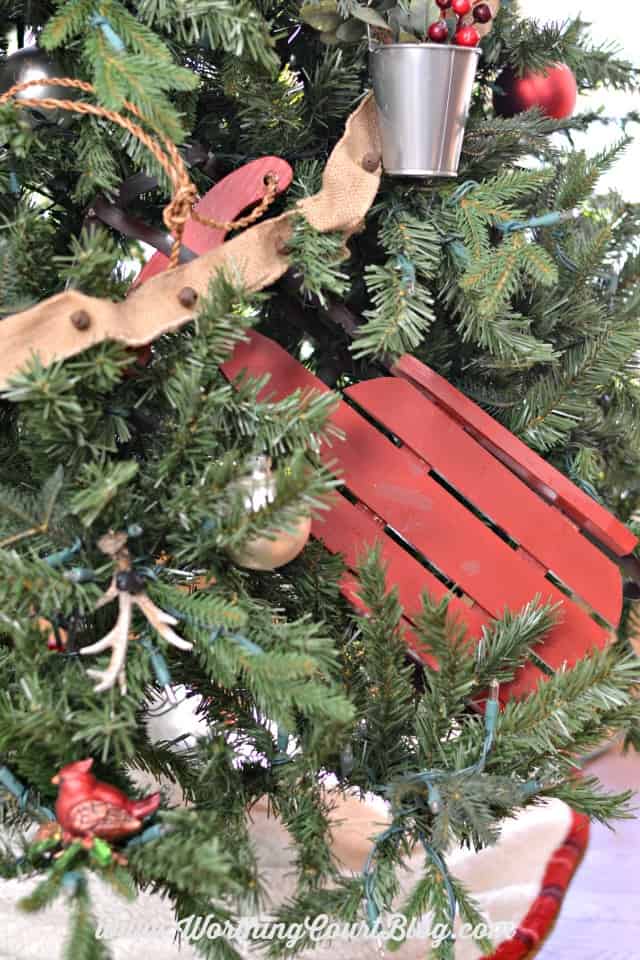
(370,16)
(410,22)
(350,31)
(399,17)
(422,13)
(322,16)
(330,38)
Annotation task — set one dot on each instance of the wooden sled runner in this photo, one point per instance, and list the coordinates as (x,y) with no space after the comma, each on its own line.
(454,499)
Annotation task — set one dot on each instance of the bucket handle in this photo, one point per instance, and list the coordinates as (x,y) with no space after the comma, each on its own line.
(373,44)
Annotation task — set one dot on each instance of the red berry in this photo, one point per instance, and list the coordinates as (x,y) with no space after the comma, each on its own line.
(438,32)
(444,4)
(461,7)
(467,37)
(482,13)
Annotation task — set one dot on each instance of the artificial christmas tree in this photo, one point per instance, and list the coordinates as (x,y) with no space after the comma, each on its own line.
(492,281)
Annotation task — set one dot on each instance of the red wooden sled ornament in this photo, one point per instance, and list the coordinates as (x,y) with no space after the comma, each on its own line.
(455,500)
(225,201)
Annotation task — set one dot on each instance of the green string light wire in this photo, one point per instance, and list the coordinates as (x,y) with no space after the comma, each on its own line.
(551,219)
(429,779)
(61,557)
(22,794)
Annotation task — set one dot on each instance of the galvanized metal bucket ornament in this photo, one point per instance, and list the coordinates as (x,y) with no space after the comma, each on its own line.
(423,61)
(423,81)
(422,93)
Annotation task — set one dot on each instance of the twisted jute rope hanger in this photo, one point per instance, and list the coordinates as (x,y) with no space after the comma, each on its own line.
(181,206)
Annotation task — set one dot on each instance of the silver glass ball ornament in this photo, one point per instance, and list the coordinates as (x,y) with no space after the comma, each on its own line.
(31,63)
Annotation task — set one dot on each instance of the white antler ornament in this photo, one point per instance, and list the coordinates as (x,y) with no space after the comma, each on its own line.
(128,587)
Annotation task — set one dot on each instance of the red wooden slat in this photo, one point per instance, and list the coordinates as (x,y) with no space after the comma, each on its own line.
(389,481)
(350,531)
(543,530)
(451,537)
(536,472)
(225,201)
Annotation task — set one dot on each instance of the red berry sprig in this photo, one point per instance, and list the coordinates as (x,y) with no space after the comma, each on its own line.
(466,34)
(438,32)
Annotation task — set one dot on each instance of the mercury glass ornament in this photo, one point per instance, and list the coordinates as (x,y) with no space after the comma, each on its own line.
(263,553)
(31,63)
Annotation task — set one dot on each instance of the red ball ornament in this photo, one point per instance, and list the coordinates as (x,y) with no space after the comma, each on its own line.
(438,32)
(461,7)
(554,92)
(467,37)
(482,13)
(444,4)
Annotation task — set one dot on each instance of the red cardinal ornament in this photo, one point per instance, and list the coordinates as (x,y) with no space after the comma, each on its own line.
(554,92)
(87,808)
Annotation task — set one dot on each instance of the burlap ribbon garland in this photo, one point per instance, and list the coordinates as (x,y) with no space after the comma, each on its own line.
(68,323)
(53,331)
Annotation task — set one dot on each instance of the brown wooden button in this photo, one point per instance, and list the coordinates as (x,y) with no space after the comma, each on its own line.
(371,162)
(187,297)
(81,319)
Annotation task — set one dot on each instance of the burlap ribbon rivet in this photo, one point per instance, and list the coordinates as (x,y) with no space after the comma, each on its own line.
(187,297)
(371,162)
(282,247)
(80,319)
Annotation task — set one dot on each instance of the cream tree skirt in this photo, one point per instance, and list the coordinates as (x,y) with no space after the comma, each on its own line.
(505,879)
